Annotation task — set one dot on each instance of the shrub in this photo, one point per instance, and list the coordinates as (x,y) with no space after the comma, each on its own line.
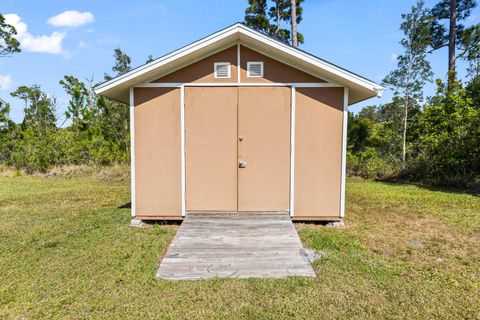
(368,164)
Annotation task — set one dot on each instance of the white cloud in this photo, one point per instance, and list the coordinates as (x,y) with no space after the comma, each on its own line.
(82,44)
(71,18)
(5,81)
(44,43)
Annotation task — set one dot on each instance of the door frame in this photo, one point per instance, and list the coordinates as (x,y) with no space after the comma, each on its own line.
(292,85)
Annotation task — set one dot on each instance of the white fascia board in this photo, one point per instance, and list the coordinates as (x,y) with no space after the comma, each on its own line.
(240,30)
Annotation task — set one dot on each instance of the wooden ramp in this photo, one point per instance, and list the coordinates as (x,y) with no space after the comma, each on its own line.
(244,245)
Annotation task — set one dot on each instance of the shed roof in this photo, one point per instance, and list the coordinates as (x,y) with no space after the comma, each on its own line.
(360,88)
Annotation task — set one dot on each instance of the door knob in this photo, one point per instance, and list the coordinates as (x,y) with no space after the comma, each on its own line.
(240,138)
(242,164)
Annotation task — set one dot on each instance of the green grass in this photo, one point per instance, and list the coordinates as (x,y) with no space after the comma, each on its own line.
(67,252)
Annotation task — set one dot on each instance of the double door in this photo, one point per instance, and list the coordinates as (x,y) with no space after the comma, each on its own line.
(237,148)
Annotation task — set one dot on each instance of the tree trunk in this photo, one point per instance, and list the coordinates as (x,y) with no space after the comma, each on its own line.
(293,4)
(405,123)
(451,43)
(277,11)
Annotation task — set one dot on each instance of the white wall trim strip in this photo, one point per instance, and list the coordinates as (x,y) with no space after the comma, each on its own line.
(344,152)
(132,153)
(238,62)
(244,84)
(182,147)
(292,152)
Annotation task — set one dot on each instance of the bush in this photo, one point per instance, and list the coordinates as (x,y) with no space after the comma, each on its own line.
(368,164)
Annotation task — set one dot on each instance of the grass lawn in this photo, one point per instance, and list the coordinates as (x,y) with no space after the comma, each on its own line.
(67,252)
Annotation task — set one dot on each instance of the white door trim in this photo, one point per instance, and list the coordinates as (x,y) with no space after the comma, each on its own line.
(292,145)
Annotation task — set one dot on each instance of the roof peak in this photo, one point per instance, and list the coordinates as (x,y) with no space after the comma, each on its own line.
(241,33)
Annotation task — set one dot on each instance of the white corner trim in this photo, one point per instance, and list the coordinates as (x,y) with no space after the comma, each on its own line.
(344,152)
(132,153)
(239,62)
(182,147)
(292,152)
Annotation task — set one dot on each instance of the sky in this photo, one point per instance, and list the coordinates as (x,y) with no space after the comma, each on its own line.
(78,38)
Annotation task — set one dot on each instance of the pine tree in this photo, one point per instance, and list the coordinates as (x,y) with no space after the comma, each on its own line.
(39,108)
(280,12)
(149,58)
(454,11)
(469,41)
(122,64)
(4,115)
(113,116)
(8,43)
(413,69)
(295,14)
(256,16)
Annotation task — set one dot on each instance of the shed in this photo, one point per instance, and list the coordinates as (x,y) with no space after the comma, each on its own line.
(238,122)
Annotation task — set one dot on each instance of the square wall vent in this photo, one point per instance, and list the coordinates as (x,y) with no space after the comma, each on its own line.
(255,69)
(222,69)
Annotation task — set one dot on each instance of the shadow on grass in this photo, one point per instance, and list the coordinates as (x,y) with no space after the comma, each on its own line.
(430,187)
(127,205)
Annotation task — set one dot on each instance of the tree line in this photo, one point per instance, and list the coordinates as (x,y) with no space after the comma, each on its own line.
(433,139)
(97,134)
(430,139)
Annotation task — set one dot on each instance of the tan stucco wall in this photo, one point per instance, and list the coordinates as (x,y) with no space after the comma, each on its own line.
(202,71)
(318,151)
(157,152)
(274,71)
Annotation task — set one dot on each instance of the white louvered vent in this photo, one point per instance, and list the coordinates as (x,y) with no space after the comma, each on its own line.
(222,69)
(255,69)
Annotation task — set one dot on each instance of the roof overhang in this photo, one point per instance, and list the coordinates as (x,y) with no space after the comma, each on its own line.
(360,88)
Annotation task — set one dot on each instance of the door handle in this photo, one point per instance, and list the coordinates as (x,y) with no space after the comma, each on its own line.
(242,164)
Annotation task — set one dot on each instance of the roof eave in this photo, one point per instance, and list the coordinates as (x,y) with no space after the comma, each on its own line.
(240,32)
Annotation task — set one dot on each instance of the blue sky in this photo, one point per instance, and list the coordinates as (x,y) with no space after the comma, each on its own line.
(360,35)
